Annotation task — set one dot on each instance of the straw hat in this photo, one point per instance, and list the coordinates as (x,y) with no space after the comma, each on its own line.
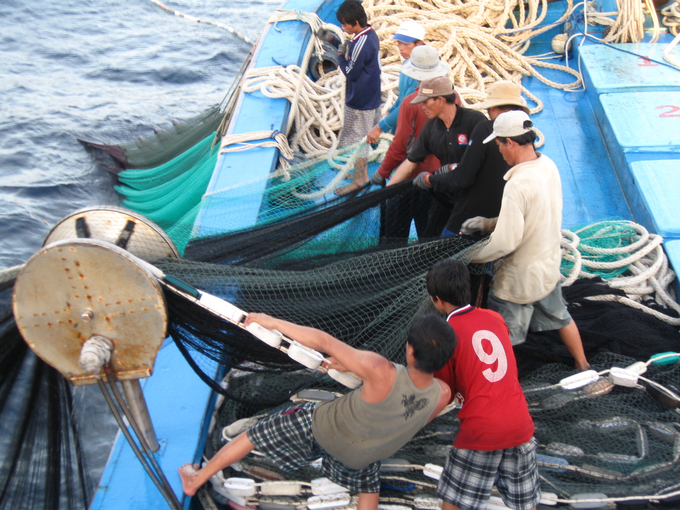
(424,64)
(504,93)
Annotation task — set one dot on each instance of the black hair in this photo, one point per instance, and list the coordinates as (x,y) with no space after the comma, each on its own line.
(525,138)
(451,98)
(351,12)
(433,341)
(449,280)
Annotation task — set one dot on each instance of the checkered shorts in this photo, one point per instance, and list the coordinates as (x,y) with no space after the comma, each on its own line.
(356,125)
(287,439)
(469,476)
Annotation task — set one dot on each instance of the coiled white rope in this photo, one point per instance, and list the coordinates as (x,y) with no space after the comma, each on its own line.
(647,277)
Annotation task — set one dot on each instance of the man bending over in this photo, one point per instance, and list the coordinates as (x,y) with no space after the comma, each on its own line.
(354,432)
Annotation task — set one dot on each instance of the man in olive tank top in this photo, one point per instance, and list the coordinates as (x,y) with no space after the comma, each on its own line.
(354,432)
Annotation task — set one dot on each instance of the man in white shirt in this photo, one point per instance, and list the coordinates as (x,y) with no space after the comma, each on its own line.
(526,236)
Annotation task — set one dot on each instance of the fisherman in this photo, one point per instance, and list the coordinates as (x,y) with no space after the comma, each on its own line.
(478,179)
(494,444)
(446,135)
(414,204)
(526,235)
(359,61)
(354,432)
(409,35)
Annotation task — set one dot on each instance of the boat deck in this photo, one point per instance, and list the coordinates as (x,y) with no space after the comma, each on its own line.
(616,146)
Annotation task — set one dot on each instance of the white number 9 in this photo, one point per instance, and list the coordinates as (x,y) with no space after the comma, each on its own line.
(497,354)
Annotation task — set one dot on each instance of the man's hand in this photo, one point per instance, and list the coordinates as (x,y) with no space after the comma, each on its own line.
(477,225)
(262,319)
(445,169)
(343,49)
(378,179)
(422,181)
(373,135)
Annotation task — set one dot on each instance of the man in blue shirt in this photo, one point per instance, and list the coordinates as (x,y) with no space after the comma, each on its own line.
(409,35)
(359,60)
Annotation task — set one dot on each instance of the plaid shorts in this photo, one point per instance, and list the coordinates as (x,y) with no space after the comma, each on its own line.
(356,125)
(469,476)
(287,439)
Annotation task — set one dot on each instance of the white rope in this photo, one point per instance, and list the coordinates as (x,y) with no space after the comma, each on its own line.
(95,353)
(647,277)
(228,28)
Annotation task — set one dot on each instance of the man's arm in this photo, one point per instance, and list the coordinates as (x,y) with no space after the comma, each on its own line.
(444,398)
(369,366)
(396,153)
(402,172)
(352,68)
(506,236)
(465,173)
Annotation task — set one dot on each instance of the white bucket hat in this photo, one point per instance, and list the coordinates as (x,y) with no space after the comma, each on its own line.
(409,32)
(512,123)
(503,93)
(424,64)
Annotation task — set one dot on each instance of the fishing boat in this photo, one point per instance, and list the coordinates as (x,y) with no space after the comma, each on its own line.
(613,134)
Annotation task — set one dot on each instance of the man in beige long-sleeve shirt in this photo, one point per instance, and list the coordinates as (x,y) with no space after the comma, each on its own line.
(526,236)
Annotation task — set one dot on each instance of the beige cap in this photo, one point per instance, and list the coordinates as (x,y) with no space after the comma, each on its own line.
(434,87)
(504,93)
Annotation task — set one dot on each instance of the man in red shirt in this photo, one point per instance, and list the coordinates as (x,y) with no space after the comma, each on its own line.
(413,204)
(495,441)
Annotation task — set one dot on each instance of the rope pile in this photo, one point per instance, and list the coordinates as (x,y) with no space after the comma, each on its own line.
(629,258)
(320,108)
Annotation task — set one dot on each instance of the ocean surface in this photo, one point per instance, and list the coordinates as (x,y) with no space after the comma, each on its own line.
(104,70)
(107,71)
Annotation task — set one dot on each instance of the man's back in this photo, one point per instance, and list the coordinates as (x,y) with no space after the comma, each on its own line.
(358,433)
(483,371)
(411,120)
(478,180)
(527,234)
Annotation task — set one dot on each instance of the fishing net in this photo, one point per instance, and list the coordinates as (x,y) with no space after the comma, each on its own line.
(41,466)
(163,145)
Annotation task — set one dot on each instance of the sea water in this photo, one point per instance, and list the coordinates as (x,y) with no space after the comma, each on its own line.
(106,71)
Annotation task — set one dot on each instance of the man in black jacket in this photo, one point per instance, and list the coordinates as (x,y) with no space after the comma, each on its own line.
(477,182)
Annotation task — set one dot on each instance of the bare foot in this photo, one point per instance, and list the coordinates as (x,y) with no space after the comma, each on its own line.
(349,188)
(187,473)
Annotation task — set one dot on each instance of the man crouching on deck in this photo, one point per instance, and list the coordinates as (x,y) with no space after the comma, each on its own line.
(354,432)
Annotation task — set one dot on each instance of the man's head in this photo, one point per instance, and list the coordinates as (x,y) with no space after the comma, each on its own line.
(351,16)
(425,64)
(504,96)
(515,136)
(448,282)
(409,35)
(437,96)
(431,342)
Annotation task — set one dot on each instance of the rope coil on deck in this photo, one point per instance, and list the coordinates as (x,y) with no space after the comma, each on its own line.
(637,265)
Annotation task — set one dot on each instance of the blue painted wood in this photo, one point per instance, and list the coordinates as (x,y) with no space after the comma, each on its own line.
(178,404)
(611,70)
(659,185)
(645,122)
(256,112)
(672,249)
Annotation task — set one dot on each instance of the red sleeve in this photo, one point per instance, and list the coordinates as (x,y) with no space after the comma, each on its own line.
(397,151)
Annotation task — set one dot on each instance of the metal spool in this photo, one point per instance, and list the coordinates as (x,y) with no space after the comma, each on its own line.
(118,226)
(75,289)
